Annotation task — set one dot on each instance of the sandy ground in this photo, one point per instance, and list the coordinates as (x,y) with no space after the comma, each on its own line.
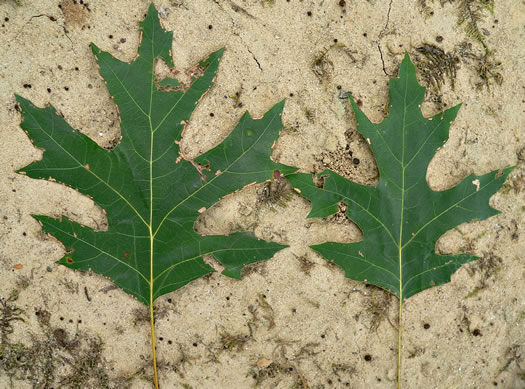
(293,321)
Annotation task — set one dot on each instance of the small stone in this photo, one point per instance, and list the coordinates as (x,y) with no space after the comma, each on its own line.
(475,323)
(245,210)
(391,375)
(263,363)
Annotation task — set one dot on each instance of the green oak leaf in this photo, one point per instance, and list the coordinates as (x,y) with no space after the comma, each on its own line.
(150,194)
(401,217)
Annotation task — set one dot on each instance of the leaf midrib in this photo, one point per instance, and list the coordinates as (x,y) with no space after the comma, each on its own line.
(402,214)
(152,139)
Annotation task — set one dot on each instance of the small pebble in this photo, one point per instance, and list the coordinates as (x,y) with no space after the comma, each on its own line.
(392,375)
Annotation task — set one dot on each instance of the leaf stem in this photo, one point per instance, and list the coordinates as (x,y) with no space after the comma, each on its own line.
(153,353)
(152,316)
(399,331)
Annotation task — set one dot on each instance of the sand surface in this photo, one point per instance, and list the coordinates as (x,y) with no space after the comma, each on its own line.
(293,321)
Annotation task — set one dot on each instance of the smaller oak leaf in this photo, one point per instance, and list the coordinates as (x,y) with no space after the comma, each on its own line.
(401,217)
